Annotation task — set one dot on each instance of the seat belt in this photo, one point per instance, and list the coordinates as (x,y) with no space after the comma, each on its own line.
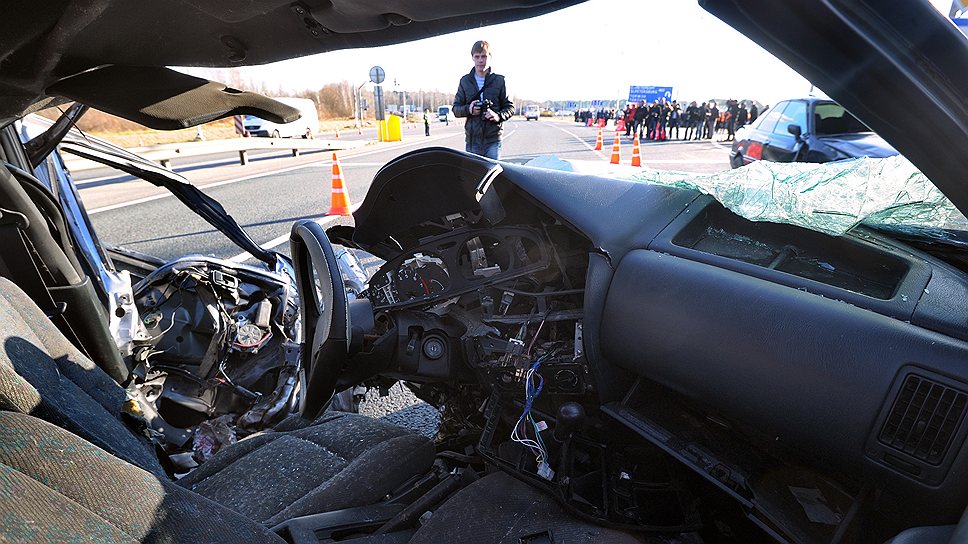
(18,263)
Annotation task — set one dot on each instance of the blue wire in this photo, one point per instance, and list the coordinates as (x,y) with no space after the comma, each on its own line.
(531,393)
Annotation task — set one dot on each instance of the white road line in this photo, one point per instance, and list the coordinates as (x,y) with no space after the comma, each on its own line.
(719,145)
(687,161)
(584,143)
(273,172)
(278,241)
(86,182)
(210,185)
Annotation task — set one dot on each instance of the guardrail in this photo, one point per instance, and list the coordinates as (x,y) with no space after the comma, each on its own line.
(165,153)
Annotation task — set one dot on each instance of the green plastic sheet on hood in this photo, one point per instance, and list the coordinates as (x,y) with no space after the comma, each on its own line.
(831,198)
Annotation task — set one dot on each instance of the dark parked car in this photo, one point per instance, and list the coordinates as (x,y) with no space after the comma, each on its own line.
(806,130)
(613,361)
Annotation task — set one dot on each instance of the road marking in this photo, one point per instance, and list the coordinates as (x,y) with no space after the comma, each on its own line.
(688,161)
(719,145)
(584,143)
(84,183)
(216,184)
(274,172)
(313,164)
(278,241)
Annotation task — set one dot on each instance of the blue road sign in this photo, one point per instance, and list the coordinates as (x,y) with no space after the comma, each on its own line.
(572,105)
(638,93)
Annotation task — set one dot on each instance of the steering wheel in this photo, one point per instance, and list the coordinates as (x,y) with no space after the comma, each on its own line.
(324,313)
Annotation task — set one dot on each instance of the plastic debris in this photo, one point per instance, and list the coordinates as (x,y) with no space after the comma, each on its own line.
(211,436)
(831,198)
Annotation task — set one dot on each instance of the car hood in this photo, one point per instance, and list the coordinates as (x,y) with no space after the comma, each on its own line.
(897,65)
(57,39)
(858,145)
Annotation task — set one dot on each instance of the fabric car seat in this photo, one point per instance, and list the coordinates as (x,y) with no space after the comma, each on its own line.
(340,461)
(56,487)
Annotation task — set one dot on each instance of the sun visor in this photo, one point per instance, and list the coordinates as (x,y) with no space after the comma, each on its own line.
(164,99)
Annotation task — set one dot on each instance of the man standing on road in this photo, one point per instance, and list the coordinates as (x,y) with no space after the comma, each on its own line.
(701,113)
(482,97)
(641,114)
(711,117)
(426,118)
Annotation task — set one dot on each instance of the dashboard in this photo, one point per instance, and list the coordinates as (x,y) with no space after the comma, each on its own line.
(457,262)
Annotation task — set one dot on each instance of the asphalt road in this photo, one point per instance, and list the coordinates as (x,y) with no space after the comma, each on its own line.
(274,190)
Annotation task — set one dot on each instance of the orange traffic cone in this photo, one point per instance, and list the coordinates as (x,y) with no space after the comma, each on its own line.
(340,199)
(589,122)
(616,150)
(599,141)
(337,133)
(636,158)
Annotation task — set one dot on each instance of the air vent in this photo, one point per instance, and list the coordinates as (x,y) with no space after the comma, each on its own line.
(924,418)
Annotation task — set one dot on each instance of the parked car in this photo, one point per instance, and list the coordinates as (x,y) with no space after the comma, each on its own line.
(306,126)
(806,130)
(532,111)
(641,365)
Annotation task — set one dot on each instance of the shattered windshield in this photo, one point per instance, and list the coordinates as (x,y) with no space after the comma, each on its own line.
(886,193)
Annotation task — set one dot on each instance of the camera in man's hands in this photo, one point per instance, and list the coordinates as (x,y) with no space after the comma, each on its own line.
(486,104)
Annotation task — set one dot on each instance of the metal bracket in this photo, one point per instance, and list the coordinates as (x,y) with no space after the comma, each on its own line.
(309,21)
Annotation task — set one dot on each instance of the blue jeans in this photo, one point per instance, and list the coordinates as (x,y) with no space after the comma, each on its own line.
(491,150)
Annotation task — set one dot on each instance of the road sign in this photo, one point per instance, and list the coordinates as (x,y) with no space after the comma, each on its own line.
(377,75)
(638,93)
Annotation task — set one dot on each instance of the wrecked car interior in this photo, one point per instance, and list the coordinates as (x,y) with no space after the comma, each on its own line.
(651,358)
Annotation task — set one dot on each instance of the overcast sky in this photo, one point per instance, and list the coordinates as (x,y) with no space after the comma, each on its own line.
(595,50)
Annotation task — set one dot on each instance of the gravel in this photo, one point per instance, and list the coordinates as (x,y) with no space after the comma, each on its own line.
(402,408)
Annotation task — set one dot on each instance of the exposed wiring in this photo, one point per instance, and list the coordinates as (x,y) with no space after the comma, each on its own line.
(535,339)
(519,434)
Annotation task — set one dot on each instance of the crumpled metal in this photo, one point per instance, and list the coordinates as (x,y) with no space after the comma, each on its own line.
(831,198)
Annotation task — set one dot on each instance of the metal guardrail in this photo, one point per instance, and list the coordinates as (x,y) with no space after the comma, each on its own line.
(165,153)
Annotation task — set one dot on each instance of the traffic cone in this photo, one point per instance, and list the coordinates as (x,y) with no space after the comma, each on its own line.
(616,150)
(337,133)
(340,199)
(636,158)
(599,141)
(589,122)
(620,125)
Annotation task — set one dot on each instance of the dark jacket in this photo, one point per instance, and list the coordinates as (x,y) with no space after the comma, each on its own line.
(477,129)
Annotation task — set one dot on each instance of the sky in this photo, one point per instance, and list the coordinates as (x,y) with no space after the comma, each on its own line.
(594,50)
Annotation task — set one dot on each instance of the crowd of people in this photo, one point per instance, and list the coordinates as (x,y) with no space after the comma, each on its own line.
(664,120)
